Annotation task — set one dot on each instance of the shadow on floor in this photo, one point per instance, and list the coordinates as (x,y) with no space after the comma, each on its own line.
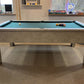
(39,70)
(49,62)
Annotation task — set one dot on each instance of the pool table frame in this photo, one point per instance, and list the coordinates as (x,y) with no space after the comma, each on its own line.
(42,36)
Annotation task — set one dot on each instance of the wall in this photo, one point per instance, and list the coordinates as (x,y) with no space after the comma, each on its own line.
(6,18)
(38,13)
(41,13)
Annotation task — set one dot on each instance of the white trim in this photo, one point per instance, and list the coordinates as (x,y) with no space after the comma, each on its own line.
(4,23)
(80,23)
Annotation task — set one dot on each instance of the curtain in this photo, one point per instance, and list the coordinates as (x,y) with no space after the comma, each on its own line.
(0,4)
(58,4)
(79,4)
(61,4)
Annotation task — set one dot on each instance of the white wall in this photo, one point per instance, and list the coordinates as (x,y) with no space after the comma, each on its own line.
(41,13)
(38,13)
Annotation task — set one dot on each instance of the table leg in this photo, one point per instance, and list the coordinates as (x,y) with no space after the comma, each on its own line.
(72,44)
(12,44)
(0,57)
(83,60)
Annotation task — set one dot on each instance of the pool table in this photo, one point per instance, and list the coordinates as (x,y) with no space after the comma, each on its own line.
(41,32)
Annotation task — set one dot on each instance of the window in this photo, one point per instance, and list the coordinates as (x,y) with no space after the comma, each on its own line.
(68,5)
(6,2)
(3,5)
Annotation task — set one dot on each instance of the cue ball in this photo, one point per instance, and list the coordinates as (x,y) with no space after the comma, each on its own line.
(19,23)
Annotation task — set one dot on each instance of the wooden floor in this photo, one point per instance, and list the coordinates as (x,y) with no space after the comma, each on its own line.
(59,64)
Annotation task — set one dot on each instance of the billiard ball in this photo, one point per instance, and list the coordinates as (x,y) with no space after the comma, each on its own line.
(19,23)
(57,24)
(62,24)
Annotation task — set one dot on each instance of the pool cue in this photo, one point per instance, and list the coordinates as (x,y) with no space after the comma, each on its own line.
(19,8)
(16,1)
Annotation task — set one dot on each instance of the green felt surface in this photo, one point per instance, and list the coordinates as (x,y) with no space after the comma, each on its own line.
(40,25)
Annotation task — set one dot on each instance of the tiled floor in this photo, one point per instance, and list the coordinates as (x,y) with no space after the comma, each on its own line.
(42,65)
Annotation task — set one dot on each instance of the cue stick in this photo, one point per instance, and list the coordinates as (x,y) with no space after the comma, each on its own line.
(19,9)
(16,9)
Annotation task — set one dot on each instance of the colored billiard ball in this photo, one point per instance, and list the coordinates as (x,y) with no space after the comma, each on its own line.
(62,24)
(57,24)
(19,23)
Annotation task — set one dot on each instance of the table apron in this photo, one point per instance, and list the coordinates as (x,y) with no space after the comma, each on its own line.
(43,36)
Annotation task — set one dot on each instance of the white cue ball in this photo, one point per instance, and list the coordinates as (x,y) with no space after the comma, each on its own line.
(19,23)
